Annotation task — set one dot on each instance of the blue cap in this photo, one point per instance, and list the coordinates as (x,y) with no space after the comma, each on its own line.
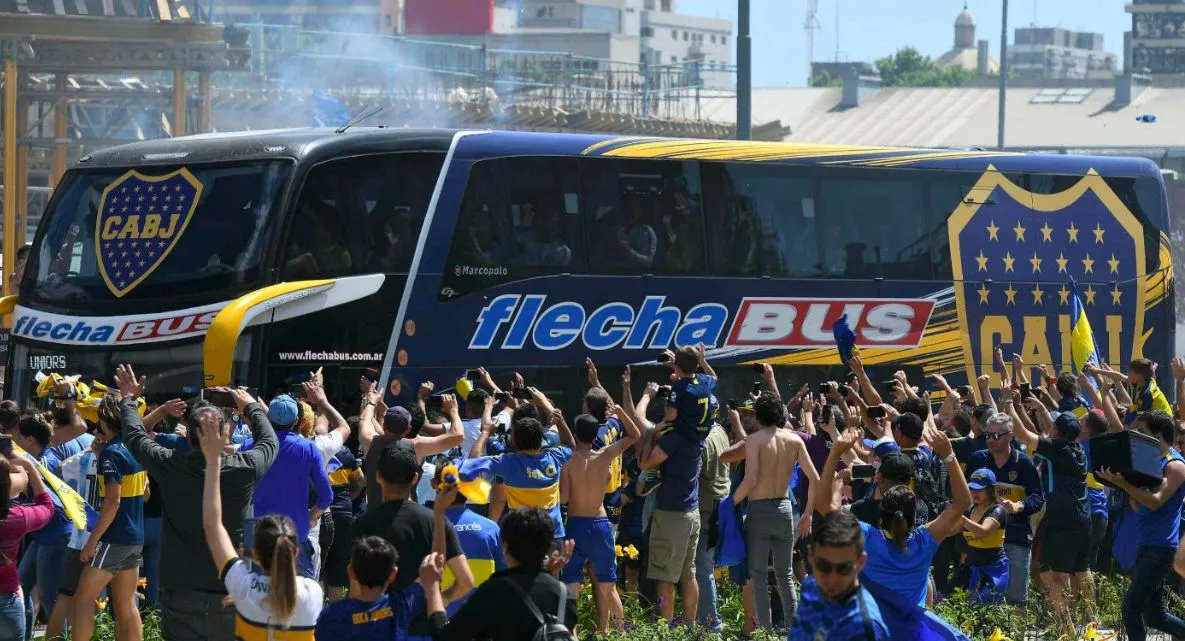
(982,479)
(882,446)
(1066,426)
(397,421)
(283,411)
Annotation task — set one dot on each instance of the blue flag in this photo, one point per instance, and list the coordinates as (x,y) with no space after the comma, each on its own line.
(845,339)
(329,111)
(907,620)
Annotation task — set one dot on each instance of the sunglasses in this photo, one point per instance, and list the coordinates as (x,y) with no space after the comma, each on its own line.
(995,436)
(822,566)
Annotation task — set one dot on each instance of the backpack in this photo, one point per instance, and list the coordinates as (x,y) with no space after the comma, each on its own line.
(928,482)
(551,627)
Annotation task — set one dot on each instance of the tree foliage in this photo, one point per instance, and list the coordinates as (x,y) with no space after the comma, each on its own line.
(908,68)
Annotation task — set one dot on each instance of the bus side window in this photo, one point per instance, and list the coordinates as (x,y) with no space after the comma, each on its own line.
(643,216)
(360,215)
(762,220)
(874,225)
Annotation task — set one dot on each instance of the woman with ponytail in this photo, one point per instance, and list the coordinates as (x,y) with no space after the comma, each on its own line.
(273,598)
(897,572)
(16,521)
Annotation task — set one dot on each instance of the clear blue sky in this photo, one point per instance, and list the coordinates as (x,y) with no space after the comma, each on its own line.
(870,29)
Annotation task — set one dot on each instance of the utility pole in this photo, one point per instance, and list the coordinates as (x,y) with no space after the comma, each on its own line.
(744,73)
(1003,75)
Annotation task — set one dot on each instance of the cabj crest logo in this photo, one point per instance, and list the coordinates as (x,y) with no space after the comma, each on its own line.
(140,220)
(1014,253)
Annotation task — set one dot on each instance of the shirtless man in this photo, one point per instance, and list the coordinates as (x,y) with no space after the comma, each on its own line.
(585,476)
(770,456)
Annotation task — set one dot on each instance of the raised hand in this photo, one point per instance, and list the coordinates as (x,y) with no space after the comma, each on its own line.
(127,383)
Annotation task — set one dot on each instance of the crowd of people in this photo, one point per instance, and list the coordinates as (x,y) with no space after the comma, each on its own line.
(844,511)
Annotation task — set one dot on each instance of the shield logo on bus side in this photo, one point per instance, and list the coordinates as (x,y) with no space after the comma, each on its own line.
(140,220)
(1014,255)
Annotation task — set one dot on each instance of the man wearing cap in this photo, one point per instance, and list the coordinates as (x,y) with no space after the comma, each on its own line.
(1018,488)
(895,469)
(298,464)
(1065,545)
(397,425)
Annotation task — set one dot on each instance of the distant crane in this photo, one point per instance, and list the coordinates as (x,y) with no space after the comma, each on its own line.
(811,26)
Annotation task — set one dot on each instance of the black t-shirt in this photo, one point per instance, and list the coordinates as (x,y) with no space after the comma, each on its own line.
(1067,507)
(868,510)
(409,527)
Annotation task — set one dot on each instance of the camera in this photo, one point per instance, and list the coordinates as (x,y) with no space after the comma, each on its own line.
(876,411)
(756,387)
(823,388)
(664,391)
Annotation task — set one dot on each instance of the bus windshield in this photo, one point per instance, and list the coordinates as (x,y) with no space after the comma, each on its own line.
(139,234)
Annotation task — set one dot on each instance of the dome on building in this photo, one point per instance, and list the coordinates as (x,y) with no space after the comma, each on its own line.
(965,19)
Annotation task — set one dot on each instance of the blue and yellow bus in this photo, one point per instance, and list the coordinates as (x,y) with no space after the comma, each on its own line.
(250,257)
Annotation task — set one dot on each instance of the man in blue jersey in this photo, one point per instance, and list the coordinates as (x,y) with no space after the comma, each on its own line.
(1160,526)
(834,606)
(370,613)
(1018,488)
(480,538)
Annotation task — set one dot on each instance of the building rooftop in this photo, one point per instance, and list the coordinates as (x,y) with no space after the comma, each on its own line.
(964,117)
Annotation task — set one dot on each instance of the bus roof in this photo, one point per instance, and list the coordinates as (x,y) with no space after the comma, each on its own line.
(319,144)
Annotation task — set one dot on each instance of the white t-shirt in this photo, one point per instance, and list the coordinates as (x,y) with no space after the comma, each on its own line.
(472,429)
(328,445)
(81,473)
(254,616)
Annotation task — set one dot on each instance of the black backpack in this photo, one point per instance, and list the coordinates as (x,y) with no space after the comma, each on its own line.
(928,482)
(551,627)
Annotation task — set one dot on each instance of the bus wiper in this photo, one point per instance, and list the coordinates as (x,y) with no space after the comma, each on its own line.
(362,115)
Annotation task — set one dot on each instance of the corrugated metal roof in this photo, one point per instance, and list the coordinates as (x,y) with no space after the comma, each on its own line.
(963,117)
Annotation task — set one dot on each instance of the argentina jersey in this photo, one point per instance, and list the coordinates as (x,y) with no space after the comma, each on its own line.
(81,473)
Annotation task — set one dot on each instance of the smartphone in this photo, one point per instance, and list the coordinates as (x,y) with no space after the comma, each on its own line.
(876,411)
(435,402)
(471,374)
(502,397)
(759,368)
(664,358)
(1026,390)
(732,404)
(664,391)
(823,388)
(863,471)
(756,387)
(218,397)
(522,393)
(5,445)
(371,374)
(964,391)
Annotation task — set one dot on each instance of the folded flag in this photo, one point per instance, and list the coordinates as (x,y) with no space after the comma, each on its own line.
(731,548)
(845,339)
(475,480)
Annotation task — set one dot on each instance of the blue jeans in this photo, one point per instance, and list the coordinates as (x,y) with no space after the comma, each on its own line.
(151,552)
(1020,557)
(41,565)
(304,561)
(12,617)
(1143,605)
(704,575)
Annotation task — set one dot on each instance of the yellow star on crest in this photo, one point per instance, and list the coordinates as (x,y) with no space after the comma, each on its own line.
(1115,294)
(1008,260)
(1020,232)
(1063,296)
(1090,294)
(1010,293)
(1088,265)
(1073,232)
(1061,262)
(1113,264)
(983,292)
(993,231)
(982,260)
(1035,262)
(1047,233)
(1098,233)
(1037,294)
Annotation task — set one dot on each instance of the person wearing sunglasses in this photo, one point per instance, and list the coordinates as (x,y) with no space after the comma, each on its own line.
(1018,488)
(833,604)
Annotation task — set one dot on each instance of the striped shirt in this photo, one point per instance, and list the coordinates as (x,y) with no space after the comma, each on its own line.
(254,620)
(81,473)
(116,465)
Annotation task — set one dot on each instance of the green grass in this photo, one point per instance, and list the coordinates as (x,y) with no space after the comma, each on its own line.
(978,622)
